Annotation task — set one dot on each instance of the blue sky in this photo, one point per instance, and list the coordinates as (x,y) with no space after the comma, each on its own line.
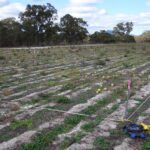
(100,14)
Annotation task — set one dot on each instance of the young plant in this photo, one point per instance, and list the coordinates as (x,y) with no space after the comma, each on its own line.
(21,123)
(63,100)
(101,142)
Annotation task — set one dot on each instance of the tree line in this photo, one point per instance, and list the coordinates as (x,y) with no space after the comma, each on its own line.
(144,37)
(38,26)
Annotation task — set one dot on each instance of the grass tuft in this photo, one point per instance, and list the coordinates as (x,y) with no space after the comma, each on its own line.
(63,100)
(102,143)
(21,123)
(146,145)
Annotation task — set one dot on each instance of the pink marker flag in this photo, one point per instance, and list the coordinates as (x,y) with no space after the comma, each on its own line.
(129,84)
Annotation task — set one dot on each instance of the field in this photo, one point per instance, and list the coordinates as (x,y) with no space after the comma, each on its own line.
(90,80)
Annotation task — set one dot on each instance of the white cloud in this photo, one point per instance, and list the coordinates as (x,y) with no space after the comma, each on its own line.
(97,18)
(145,14)
(148,3)
(141,22)
(11,10)
(83,2)
(82,8)
(3,2)
(100,19)
(102,12)
(144,23)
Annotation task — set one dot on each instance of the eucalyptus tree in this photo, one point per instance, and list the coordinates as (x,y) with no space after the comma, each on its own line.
(73,30)
(38,23)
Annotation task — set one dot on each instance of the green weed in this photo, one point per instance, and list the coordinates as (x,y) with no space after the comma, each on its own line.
(21,123)
(43,73)
(68,87)
(51,83)
(100,63)
(88,127)
(126,65)
(107,59)
(2,58)
(42,140)
(146,146)
(68,141)
(4,137)
(63,100)
(102,143)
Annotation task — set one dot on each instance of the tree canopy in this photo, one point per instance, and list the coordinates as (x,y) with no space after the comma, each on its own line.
(122,28)
(38,22)
(145,37)
(10,32)
(73,29)
(122,32)
(102,37)
(38,25)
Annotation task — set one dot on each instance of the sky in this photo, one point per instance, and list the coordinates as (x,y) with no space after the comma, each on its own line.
(99,14)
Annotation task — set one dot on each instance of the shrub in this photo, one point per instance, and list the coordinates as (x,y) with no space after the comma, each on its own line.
(125,55)
(43,73)
(63,99)
(126,65)
(51,83)
(107,59)
(68,87)
(100,62)
(2,58)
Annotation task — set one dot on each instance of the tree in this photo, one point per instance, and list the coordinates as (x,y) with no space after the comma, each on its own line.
(38,23)
(102,37)
(123,28)
(122,32)
(10,32)
(145,37)
(73,30)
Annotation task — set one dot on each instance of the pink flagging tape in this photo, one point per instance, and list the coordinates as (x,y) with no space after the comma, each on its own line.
(129,84)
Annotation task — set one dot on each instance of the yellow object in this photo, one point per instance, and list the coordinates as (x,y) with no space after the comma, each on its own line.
(145,126)
(98,91)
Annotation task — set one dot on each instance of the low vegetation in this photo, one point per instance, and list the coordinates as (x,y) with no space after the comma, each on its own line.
(20,124)
(90,80)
